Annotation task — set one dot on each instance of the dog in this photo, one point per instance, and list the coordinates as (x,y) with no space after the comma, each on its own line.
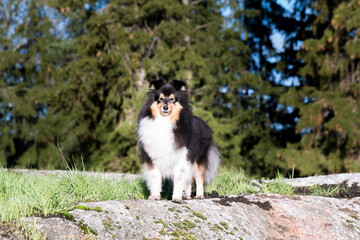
(173,143)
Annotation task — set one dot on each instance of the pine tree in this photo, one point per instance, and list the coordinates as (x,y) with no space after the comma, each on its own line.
(328,99)
(93,77)
(25,72)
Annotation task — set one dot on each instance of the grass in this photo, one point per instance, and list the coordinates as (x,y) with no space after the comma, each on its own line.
(23,195)
(278,186)
(229,182)
(317,190)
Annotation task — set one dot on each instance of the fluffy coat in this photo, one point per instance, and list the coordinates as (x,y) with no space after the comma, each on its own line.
(173,143)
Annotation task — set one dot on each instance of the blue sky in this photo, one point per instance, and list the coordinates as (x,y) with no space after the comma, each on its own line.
(277,38)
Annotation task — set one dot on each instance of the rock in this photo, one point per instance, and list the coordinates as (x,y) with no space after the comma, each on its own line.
(252,216)
(349,178)
(9,232)
(332,179)
(57,228)
(249,216)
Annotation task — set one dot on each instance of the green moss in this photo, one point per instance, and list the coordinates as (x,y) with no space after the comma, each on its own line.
(67,215)
(137,217)
(178,225)
(178,233)
(171,209)
(162,231)
(355,217)
(199,215)
(107,225)
(235,228)
(127,207)
(197,221)
(81,207)
(165,225)
(225,225)
(218,227)
(87,229)
(184,235)
(98,209)
(188,224)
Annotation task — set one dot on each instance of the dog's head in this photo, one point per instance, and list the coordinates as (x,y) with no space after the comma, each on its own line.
(168,98)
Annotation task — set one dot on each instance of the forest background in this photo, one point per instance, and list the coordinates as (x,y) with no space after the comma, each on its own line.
(280,86)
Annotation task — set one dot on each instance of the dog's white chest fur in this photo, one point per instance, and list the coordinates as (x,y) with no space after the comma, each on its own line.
(157,137)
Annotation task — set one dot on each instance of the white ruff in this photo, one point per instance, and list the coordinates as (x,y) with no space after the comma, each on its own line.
(157,137)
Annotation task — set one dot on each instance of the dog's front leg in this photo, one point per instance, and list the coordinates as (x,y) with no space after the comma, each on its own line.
(182,178)
(152,176)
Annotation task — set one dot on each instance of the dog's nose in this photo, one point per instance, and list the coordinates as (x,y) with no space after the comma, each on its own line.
(165,107)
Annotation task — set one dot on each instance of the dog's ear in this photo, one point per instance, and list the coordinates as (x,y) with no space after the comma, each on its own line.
(178,85)
(157,84)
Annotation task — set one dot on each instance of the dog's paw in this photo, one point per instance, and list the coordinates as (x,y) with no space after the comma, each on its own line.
(187,198)
(154,197)
(178,200)
(199,197)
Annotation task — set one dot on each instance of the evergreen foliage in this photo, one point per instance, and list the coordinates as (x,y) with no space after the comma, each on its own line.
(76,73)
(328,97)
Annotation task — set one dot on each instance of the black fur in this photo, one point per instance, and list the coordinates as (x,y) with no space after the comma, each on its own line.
(157,84)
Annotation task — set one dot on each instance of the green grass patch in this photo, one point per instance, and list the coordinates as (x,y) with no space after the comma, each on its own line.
(230,181)
(317,190)
(24,195)
(29,230)
(278,186)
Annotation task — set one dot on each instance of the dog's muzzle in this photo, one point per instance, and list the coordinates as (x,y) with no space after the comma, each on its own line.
(165,109)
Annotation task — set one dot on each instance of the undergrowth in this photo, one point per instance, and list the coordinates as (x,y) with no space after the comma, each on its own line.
(26,194)
(23,195)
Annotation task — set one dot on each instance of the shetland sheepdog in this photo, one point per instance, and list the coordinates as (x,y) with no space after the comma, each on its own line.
(173,143)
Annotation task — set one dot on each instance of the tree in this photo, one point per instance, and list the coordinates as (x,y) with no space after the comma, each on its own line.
(95,75)
(328,99)
(25,72)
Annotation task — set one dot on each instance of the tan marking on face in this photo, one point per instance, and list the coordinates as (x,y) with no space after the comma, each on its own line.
(175,110)
(161,96)
(155,110)
(183,88)
(171,96)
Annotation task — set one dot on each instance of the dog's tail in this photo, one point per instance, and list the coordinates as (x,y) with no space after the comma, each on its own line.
(212,164)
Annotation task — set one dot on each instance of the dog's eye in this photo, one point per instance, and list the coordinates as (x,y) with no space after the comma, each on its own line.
(172,100)
(161,99)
